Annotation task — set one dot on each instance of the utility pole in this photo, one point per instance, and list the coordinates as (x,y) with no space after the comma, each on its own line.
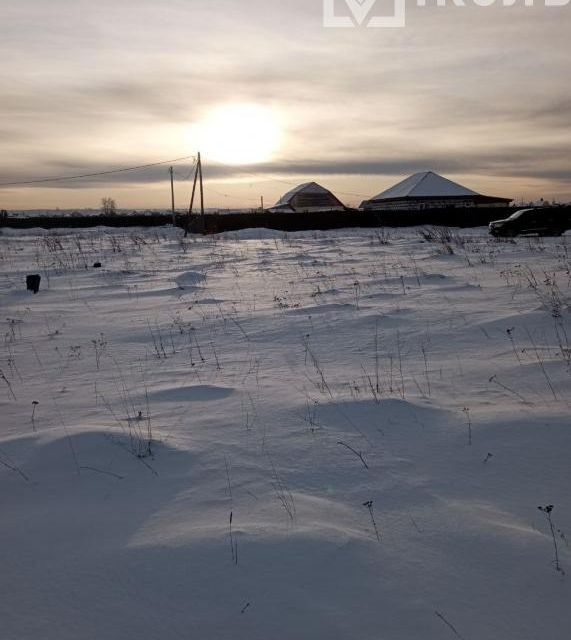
(171,171)
(201,188)
(197,178)
(193,191)
(262,201)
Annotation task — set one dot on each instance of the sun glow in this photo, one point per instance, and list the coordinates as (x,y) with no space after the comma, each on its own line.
(238,134)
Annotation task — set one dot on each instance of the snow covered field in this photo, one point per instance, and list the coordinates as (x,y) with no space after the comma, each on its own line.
(290,436)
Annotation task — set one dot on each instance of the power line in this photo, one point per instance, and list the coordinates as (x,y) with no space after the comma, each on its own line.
(188,177)
(92,175)
(286,182)
(262,177)
(229,195)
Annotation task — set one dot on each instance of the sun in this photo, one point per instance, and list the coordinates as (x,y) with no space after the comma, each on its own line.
(238,134)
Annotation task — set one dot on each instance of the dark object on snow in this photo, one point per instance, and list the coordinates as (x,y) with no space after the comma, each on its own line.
(97,265)
(33,283)
(540,221)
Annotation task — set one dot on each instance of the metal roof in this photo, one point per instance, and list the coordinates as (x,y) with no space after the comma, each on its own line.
(426,184)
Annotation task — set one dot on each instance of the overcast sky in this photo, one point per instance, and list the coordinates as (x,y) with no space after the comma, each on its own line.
(480,94)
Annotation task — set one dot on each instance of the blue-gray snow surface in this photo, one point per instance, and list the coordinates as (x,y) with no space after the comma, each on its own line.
(305,436)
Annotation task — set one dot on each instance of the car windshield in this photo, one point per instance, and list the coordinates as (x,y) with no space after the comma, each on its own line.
(519,214)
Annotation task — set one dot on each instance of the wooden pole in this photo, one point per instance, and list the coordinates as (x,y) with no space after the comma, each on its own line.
(171,171)
(201,188)
(193,191)
(191,206)
(262,201)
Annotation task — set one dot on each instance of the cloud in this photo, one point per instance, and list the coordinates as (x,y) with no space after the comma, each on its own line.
(522,163)
(471,90)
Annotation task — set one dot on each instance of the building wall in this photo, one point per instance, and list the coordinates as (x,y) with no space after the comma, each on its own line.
(421,205)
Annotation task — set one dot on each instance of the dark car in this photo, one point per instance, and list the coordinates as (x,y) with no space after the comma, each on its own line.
(540,221)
